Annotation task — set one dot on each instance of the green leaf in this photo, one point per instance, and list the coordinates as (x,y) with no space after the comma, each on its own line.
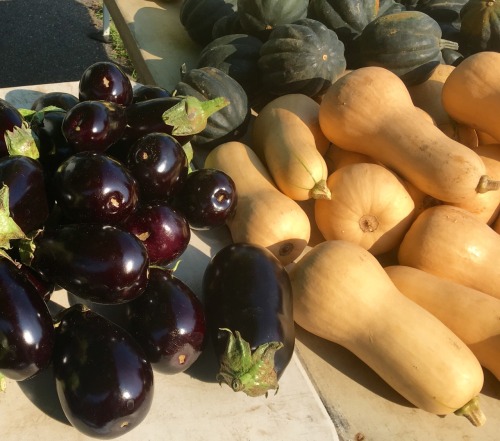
(189,116)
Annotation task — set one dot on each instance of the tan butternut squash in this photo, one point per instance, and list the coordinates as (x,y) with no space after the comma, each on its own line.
(341,293)
(370,111)
(452,243)
(285,136)
(471,314)
(471,93)
(370,206)
(264,216)
(335,158)
(427,96)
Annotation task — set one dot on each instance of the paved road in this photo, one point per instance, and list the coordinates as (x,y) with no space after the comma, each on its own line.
(46,41)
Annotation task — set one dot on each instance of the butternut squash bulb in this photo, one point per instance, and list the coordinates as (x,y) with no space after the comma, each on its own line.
(452,243)
(370,207)
(342,293)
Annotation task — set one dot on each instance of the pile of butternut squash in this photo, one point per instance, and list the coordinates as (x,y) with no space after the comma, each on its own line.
(383,200)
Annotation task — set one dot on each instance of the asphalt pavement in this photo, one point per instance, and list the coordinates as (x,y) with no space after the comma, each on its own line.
(47,41)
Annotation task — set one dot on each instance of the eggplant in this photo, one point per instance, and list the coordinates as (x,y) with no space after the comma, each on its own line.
(26,328)
(61,100)
(100,263)
(249,311)
(103,379)
(168,321)
(28,200)
(10,118)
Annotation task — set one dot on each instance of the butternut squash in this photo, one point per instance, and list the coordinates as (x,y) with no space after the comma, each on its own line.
(471,93)
(285,136)
(370,111)
(341,293)
(452,243)
(263,216)
(486,205)
(427,96)
(370,206)
(335,158)
(472,315)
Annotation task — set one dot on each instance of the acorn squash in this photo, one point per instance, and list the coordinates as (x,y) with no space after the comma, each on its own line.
(348,18)
(207,83)
(301,57)
(260,17)
(407,43)
(198,17)
(237,56)
(480,26)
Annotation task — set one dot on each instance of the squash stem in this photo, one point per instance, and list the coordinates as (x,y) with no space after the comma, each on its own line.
(486,184)
(320,191)
(472,412)
(447,44)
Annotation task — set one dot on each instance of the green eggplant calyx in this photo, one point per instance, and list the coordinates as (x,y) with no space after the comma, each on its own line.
(250,372)
(189,116)
(22,141)
(9,230)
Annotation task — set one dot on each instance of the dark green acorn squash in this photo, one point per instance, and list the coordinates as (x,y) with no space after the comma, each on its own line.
(348,18)
(446,13)
(236,55)
(260,17)
(229,123)
(199,16)
(480,26)
(227,25)
(408,43)
(301,57)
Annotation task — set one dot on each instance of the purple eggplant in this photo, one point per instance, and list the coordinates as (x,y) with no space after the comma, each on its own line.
(99,263)
(9,118)
(26,328)
(250,317)
(94,125)
(207,198)
(105,81)
(28,201)
(146,117)
(92,187)
(62,100)
(159,164)
(168,321)
(146,92)
(103,379)
(164,231)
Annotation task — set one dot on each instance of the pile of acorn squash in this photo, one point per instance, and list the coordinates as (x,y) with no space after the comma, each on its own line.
(301,46)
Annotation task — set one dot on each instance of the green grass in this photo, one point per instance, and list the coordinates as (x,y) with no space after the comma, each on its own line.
(117,46)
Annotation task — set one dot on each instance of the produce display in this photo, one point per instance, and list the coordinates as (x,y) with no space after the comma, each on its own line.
(354,163)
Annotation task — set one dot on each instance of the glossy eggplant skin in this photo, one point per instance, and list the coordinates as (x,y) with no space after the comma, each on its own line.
(92,187)
(160,166)
(26,328)
(168,321)
(164,231)
(103,380)
(100,263)
(105,81)
(146,117)
(246,289)
(28,201)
